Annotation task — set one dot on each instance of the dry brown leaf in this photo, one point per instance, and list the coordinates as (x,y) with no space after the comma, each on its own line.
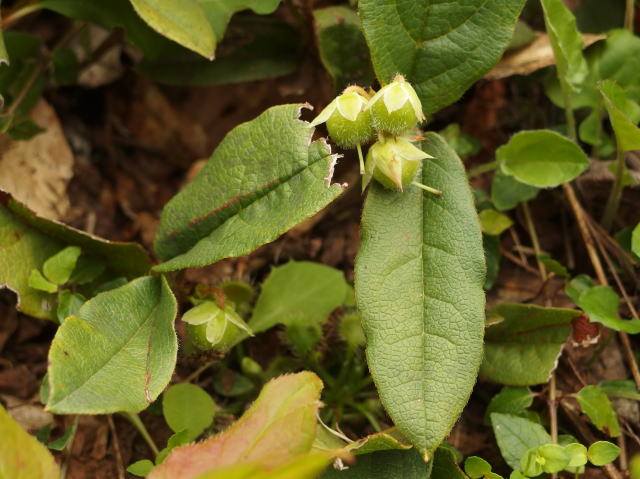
(37,171)
(538,54)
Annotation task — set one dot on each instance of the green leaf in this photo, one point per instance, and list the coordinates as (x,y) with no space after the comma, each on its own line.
(306,466)
(476,467)
(601,303)
(4,56)
(507,192)
(493,222)
(257,48)
(177,439)
(27,241)
(60,443)
(510,400)
(566,42)
(577,454)
(140,468)
(595,404)
(419,332)
(383,465)
(21,455)
(617,58)
(58,268)
(555,458)
(441,47)
(603,452)
(463,144)
(39,282)
(24,129)
(553,266)
(298,291)
(622,388)
(264,178)
(342,47)
(624,115)
(445,464)
(516,435)
(279,426)
(117,354)
(187,406)
(231,384)
(542,158)
(184,22)
(531,463)
(522,349)
(491,245)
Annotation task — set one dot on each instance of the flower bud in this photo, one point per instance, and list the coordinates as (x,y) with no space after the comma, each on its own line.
(393,162)
(348,120)
(213,328)
(396,108)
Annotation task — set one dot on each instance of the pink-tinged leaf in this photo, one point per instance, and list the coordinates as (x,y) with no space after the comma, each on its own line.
(21,455)
(307,466)
(280,425)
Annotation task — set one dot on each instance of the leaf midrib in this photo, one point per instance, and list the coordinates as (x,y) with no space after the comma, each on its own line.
(124,345)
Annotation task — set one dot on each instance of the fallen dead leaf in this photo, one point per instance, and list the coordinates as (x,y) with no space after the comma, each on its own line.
(538,54)
(37,171)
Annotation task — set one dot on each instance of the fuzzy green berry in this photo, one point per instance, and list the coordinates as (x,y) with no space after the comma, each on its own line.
(348,120)
(393,162)
(396,108)
(213,328)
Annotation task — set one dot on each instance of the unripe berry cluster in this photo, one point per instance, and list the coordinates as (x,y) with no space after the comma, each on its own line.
(356,117)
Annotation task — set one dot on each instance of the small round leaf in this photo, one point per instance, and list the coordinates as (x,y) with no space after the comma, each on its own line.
(188,407)
(603,452)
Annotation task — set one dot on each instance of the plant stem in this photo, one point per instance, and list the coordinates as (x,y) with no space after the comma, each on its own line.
(427,188)
(613,202)
(139,425)
(483,168)
(116,447)
(361,158)
(568,112)
(553,409)
(629,15)
(534,239)
(67,449)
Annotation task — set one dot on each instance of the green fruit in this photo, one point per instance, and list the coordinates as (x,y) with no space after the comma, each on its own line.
(396,108)
(347,133)
(348,120)
(393,162)
(211,328)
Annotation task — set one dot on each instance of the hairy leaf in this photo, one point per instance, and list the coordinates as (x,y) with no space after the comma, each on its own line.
(441,47)
(384,465)
(27,241)
(307,466)
(264,178)
(542,158)
(22,456)
(280,425)
(523,348)
(419,278)
(117,354)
